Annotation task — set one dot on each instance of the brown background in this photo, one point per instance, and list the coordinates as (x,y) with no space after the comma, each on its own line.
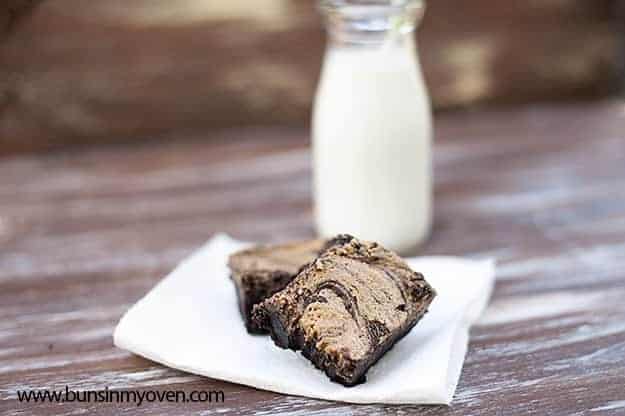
(73,71)
(529,168)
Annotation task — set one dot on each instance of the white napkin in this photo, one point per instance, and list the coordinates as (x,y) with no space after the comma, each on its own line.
(190,321)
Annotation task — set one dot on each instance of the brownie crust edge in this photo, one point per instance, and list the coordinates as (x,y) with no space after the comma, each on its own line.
(281,313)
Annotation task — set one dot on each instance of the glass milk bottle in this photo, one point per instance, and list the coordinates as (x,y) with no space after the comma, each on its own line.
(371,127)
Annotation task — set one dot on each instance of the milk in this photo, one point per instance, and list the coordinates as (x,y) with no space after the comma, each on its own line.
(371,133)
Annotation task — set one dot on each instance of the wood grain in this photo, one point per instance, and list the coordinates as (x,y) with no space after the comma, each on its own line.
(85,233)
(119,70)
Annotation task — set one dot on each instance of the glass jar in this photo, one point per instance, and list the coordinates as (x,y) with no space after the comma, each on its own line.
(371,127)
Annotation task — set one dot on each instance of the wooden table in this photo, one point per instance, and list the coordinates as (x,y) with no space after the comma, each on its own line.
(85,233)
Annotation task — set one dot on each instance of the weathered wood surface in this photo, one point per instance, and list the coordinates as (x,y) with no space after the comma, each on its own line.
(113,70)
(84,234)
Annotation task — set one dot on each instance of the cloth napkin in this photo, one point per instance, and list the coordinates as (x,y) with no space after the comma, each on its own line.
(190,321)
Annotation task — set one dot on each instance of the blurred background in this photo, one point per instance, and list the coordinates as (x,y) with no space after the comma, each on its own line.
(133,130)
(85,72)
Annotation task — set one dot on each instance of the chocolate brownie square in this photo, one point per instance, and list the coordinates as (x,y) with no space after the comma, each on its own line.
(346,308)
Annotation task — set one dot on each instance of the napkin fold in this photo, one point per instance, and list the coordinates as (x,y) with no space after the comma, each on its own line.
(190,321)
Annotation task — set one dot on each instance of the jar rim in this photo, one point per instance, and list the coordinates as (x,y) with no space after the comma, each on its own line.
(365,3)
(368,7)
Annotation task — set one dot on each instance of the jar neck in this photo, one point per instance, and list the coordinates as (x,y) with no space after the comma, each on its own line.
(370,22)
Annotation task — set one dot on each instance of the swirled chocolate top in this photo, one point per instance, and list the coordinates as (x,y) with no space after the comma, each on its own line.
(347,307)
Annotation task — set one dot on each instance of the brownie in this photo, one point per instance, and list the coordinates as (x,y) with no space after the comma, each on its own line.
(346,308)
(261,271)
